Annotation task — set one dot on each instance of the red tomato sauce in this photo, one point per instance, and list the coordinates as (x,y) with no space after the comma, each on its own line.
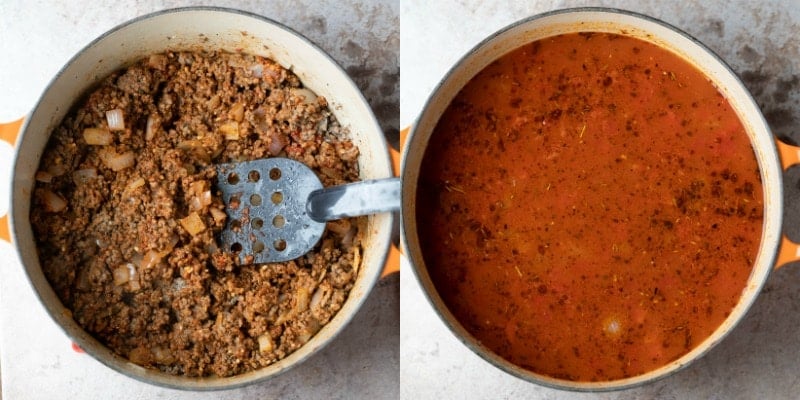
(592,207)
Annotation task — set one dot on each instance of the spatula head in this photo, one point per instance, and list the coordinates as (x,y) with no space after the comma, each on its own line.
(265,201)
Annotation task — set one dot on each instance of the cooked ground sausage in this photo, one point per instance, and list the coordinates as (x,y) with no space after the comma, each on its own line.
(126,219)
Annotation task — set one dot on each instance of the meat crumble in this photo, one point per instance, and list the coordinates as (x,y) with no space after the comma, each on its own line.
(126,214)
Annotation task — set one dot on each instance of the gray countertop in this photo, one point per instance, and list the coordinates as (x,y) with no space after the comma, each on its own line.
(760,359)
(36,39)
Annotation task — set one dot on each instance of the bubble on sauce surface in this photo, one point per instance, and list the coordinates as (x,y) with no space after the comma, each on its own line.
(612,326)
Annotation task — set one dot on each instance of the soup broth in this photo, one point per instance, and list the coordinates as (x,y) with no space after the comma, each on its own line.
(592,207)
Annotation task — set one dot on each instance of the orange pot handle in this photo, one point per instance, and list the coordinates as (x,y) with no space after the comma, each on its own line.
(789,250)
(393,259)
(8,132)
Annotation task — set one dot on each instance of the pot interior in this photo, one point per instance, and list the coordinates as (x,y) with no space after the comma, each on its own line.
(195,29)
(610,21)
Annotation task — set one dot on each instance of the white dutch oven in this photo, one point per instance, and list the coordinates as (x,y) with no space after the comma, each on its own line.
(661,34)
(192,29)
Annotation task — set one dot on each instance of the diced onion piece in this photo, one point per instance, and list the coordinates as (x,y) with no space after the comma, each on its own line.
(275,147)
(150,129)
(82,176)
(133,281)
(322,126)
(178,284)
(283,317)
(44,177)
(197,187)
(257,70)
(97,136)
(157,61)
(135,184)
(300,304)
(213,102)
(304,336)
(272,73)
(237,112)
(265,344)
(211,248)
(218,215)
(188,145)
(116,122)
(140,355)
(330,172)
(52,201)
(193,224)
(347,153)
(201,195)
(122,273)
(87,247)
(356,259)
(230,129)
(150,259)
(320,297)
(217,151)
(260,119)
(162,355)
(277,142)
(194,148)
(308,96)
(347,239)
(308,331)
(327,244)
(56,169)
(82,279)
(194,204)
(189,167)
(301,300)
(116,161)
(339,227)
(173,240)
(199,202)
(316,299)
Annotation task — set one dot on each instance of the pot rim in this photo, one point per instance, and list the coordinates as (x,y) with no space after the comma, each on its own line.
(180,382)
(670,368)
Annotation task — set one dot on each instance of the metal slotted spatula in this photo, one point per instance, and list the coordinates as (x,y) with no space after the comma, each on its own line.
(277,207)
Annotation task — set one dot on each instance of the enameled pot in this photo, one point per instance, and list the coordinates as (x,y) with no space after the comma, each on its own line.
(651,30)
(194,29)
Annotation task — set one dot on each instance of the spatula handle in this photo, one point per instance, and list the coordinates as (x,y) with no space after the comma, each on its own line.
(354,199)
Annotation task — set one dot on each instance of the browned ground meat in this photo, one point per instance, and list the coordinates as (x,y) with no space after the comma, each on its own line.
(111,218)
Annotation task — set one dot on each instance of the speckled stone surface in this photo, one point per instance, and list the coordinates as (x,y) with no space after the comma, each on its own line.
(36,361)
(760,359)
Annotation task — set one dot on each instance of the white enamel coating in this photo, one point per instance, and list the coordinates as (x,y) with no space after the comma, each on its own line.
(200,28)
(598,20)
